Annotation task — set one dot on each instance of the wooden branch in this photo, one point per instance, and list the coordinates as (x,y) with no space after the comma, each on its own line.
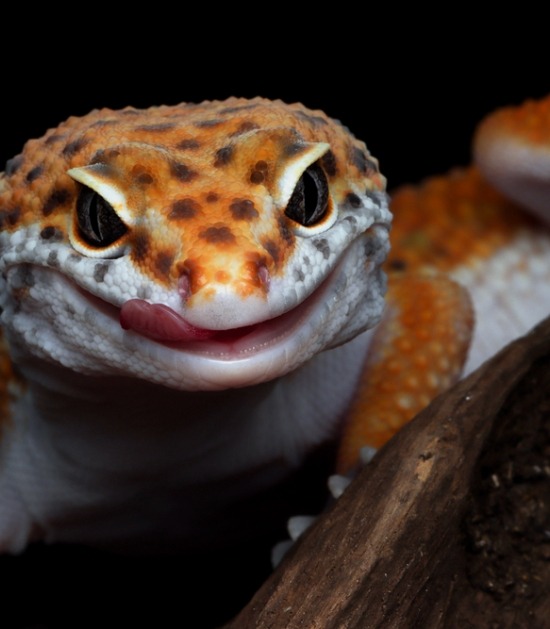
(446,527)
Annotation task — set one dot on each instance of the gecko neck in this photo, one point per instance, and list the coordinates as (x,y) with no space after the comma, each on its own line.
(129,438)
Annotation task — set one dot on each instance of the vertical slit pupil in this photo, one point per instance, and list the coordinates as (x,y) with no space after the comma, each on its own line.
(311,196)
(309,201)
(98,223)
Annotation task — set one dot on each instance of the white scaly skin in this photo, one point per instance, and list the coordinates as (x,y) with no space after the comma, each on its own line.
(146,468)
(130,441)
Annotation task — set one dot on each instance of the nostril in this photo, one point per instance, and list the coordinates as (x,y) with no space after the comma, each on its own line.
(264,276)
(184,286)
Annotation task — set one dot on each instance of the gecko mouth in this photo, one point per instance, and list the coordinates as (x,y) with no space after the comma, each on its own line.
(161,324)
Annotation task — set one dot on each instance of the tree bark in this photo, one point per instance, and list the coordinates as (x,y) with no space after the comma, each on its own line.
(448,526)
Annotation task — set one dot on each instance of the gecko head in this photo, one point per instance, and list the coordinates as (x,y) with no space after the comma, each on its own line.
(200,247)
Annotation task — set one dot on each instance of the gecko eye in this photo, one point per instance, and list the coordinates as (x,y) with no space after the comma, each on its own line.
(98,223)
(309,201)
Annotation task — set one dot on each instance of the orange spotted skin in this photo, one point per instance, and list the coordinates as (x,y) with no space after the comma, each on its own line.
(418,352)
(445,224)
(237,141)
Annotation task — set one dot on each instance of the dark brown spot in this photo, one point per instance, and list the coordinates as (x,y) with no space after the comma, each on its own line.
(144,179)
(72,148)
(188,145)
(141,175)
(328,160)
(212,197)
(376,197)
(163,263)
(52,259)
(100,270)
(182,172)
(236,108)
(104,122)
(156,128)
(259,172)
(217,234)
(56,137)
(14,164)
(34,173)
(322,246)
(397,265)
(56,199)
(205,124)
(273,249)
(353,200)
(256,177)
(223,156)
(286,232)
(184,208)
(140,245)
(243,210)
(314,121)
(51,233)
(9,218)
(104,155)
(245,127)
(361,161)
(372,166)
(294,148)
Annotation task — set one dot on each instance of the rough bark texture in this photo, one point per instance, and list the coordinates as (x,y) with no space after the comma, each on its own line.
(449,526)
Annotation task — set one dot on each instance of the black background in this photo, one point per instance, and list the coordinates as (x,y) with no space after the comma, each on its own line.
(413,87)
(414,99)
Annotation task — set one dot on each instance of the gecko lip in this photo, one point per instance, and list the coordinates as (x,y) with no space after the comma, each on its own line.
(160,324)
(225,344)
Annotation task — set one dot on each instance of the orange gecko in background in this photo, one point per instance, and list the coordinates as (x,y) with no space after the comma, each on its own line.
(486,227)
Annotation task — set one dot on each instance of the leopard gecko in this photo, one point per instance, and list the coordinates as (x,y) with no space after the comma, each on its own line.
(192,302)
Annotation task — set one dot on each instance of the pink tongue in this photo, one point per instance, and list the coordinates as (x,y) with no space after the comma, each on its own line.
(159,322)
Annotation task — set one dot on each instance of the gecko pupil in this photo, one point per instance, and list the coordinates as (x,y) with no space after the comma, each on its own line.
(98,223)
(309,201)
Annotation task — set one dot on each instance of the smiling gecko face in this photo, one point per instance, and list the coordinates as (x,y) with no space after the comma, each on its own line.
(197,246)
